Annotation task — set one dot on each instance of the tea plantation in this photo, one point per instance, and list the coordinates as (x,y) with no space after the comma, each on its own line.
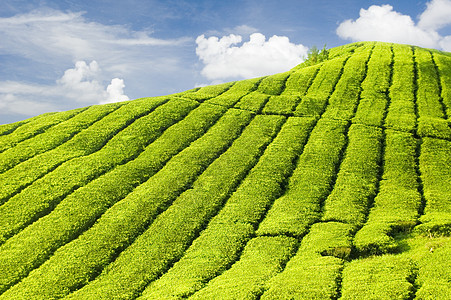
(329,181)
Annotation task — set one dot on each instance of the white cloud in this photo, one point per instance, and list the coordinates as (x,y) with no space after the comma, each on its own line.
(382,23)
(115,91)
(43,34)
(437,15)
(241,30)
(82,85)
(445,43)
(79,84)
(46,41)
(15,105)
(257,57)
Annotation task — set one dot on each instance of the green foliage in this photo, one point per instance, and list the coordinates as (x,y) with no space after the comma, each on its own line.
(54,136)
(345,98)
(431,111)
(310,183)
(374,94)
(327,181)
(70,217)
(312,179)
(240,89)
(34,127)
(306,277)
(253,101)
(435,167)
(281,105)
(128,218)
(434,127)
(299,82)
(177,226)
(345,50)
(385,277)
(220,243)
(208,92)
(44,194)
(401,112)
(443,64)
(328,239)
(296,86)
(313,272)
(315,56)
(9,128)
(262,258)
(434,272)
(273,85)
(398,201)
(314,101)
(86,142)
(357,177)
(428,94)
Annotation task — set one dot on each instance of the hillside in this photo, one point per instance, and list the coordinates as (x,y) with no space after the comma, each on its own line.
(330,181)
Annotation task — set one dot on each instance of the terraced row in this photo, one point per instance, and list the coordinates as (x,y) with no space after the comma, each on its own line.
(266,188)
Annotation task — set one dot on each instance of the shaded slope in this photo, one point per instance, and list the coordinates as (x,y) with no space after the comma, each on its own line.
(325,182)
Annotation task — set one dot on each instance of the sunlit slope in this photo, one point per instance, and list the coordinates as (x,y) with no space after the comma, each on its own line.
(330,181)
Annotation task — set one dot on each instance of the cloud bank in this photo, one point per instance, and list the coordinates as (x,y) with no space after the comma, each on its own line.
(223,59)
(382,23)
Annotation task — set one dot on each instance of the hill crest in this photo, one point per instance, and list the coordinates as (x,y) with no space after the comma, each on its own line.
(326,181)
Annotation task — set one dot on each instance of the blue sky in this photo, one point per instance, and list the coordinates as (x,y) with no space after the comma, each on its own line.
(58,55)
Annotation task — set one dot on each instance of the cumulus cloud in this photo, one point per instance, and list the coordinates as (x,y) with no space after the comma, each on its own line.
(225,58)
(382,23)
(115,91)
(80,84)
(436,16)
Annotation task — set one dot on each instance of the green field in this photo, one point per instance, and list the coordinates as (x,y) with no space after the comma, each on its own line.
(328,181)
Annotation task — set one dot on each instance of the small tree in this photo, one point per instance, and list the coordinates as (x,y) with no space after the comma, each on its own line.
(315,56)
(324,54)
(312,55)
